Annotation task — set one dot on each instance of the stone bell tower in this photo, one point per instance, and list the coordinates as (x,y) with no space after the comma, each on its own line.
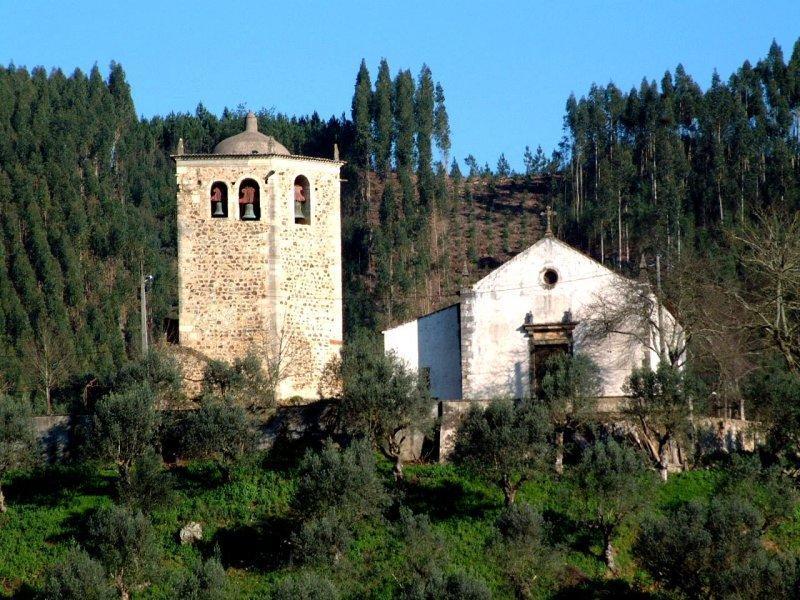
(259,256)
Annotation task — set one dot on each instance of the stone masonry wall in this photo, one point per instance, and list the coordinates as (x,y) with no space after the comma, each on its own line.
(269,286)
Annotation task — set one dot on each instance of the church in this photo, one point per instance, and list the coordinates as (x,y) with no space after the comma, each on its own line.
(495,341)
(259,257)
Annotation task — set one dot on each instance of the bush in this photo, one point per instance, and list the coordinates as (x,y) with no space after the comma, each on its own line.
(507,443)
(158,370)
(527,562)
(322,539)
(457,586)
(149,485)
(424,552)
(124,542)
(77,577)
(18,444)
(219,429)
(305,586)
(520,523)
(125,427)
(715,551)
(345,480)
(242,382)
(207,581)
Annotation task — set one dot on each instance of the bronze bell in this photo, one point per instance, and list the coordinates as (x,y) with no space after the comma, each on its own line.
(218,209)
(249,214)
(299,215)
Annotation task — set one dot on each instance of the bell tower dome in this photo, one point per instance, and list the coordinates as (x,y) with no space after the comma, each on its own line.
(259,257)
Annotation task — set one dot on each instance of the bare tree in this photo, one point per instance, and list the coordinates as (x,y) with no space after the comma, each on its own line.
(768,256)
(50,358)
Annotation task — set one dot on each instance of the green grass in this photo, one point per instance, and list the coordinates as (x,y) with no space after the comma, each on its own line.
(248,520)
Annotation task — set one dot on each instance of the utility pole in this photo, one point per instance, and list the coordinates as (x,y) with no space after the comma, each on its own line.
(144,281)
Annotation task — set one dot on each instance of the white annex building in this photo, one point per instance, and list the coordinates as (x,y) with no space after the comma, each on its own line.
(494,341)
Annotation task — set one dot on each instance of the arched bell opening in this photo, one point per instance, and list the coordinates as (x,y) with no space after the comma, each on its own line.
(302,200)
(219,200)
(249,200)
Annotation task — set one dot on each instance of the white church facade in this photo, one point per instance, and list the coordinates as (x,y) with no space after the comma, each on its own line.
(493,343)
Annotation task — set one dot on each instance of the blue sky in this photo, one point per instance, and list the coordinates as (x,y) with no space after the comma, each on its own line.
(507,67)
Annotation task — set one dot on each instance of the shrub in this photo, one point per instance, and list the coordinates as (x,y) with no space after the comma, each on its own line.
(321,540)
(457,586)
(612,485)
(18,444)
(149,485)
(125,427)
(520,550)
(207,581)
(715,551)
(520,523)
(506,444)
(346,480)
(124,542)
(77,577)
(381,399)
(158,370)
(219,429)
(305,586)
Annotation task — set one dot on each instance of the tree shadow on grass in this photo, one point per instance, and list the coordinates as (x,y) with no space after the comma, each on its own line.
(53,485)
(263,546)
(197,477)
(442,499)
(601,589)
(566,531)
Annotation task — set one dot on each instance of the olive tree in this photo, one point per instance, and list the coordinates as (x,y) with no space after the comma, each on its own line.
(124,542)
(221,430)
(659,404)
(382,399)
(569,389)
(125,427)
(612,484)
(715,550)
(19,447)
(506,443)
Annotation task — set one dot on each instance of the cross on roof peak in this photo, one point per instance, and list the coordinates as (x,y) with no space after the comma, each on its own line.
(549,214)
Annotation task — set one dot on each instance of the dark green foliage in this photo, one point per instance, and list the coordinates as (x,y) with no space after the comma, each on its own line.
(384,97)
(243,382)
(423,554)
(207,581)
(520,523)
(221,430)
(715,551)
(346,480)
(323,539)
(381,398)
(124,542)
(612,485)
(77,577)
(124,427)
(569,389)
(659,405)
(767,488)
(158,369)
(18,444)
(149,485)
(506,443)
(457,586)
(522,551)
(305,586)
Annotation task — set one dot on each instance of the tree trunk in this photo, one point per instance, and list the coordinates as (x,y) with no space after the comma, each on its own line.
(560,452)
(608,555)
(49,400)
(2,501)
(509,491)
(398,467)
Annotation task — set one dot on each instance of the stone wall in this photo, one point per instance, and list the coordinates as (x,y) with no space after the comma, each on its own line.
(269,286)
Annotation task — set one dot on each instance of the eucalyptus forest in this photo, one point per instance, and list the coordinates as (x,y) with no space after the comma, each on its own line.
(690,187)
